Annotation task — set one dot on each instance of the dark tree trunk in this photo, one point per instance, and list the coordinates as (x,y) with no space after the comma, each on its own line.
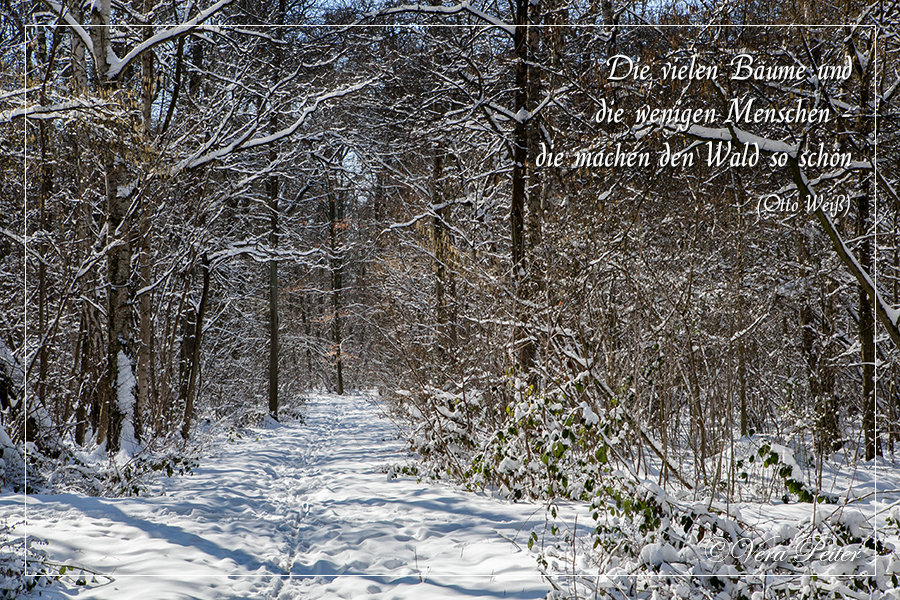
(866,312)
(335,218)
(443,284)
(273,295)
(273,185)
(195,357)
(867,333)
(525,138)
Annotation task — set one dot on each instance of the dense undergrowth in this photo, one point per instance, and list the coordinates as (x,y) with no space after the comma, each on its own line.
(678,536)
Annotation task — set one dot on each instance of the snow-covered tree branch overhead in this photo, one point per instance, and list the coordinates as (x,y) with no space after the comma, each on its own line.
(462,8)
(888,317)
(55,111)
(246,140)
(114,64)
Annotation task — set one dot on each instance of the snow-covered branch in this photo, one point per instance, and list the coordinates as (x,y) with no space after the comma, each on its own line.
(246,142)
(116,67)
(887,316)
(69,18)
(53,111)
(116,64)
(465,7)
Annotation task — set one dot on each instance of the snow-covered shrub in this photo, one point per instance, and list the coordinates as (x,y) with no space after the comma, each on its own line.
(649,544)
(23,566)
(786,467)
(571,443)
(13,467)
(134,477)
(96,474)
(546,448)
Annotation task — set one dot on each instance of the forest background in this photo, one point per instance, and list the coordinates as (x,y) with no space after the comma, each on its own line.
(218,206)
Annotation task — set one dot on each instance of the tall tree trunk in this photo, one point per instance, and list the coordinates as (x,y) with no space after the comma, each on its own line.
(335,217)
(273,317)
(527,83)
(120,385)
(43,224)
(863,74)
(99,18)
(272,185)
(144,346)
(741,304)
(820,380)
(46,186)
(84,358)
(148,77)
(89,371)
(273,189)
(443,284)
(79,69)
(195,357)
(520,143)
(534,195)
(866,332)
(121,343)
(306,342)
(532,284)
(894,386)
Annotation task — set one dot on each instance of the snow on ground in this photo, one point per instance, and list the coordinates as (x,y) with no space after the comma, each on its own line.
(302,511)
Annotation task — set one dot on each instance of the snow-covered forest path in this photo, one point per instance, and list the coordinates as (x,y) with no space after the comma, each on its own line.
(301,511)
